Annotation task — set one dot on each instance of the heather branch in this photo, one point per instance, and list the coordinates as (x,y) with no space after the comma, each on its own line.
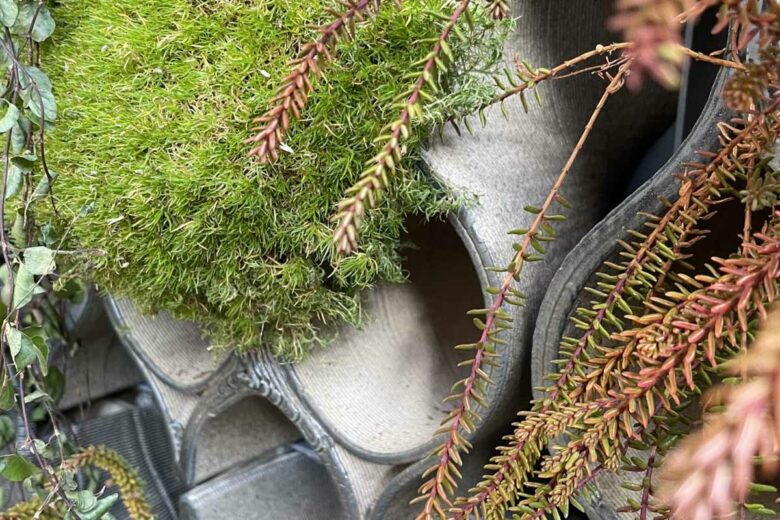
(711,472)
(654,27)
(647,484)
(714,312)
(599,50)
(568,69)
(296,86)
(698,191)
(434,491)
(376,178)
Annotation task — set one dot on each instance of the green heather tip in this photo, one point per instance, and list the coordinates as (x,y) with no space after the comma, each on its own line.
(157,98)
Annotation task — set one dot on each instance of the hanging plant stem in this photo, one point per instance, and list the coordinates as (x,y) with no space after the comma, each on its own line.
(698,191)
(712,314)
(377,177)
(436,490)
(563,70)
(296,86)
(712,470)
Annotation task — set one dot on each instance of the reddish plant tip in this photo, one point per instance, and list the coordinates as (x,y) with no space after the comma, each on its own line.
(498,9)
(375,179)
(297,86)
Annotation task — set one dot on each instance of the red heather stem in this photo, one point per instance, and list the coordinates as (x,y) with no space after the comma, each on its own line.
(683,202)
(351,213)
(293,95)
(648,482)
(518,261)
(650,378)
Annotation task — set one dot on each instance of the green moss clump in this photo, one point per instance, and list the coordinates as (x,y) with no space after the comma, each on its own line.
(156,100)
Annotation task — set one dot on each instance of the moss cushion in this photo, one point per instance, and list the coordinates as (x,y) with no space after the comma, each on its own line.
(156,100)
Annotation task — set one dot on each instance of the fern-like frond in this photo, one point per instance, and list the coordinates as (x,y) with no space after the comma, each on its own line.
(590,368)
(376,178)
(123,476)
(712,471)
(436,490)
(705,321)
(297,85)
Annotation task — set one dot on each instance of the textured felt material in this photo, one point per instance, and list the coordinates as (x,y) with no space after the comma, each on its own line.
(241,432)
(291,485)
(176,351)
(99,367)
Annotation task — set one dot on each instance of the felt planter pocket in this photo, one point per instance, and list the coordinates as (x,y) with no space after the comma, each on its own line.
(240,426)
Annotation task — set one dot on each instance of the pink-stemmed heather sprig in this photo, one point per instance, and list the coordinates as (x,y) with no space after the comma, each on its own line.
(441,481)
(698,193)
(654,27)
(711,473)
(720,310)
(297,85)
(376,178)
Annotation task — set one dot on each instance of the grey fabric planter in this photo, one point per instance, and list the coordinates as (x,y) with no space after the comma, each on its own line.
(378,391)
(246,403)
(100,366)
(565,291)
(299,485)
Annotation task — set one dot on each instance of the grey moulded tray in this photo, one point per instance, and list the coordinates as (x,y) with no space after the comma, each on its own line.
(244,403)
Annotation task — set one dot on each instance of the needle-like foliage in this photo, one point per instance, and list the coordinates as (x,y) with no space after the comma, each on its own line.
(658,327)
(297,85)
(376,178)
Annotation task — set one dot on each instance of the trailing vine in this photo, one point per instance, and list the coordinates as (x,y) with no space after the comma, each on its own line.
(377,177)
(297,86)
(31,293)
(437,489)
(122,475)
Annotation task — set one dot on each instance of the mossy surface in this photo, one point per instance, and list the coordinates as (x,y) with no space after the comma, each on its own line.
(156,100)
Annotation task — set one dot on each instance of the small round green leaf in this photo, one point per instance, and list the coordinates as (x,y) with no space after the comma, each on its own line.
(25,287)
(85,501)
(39,260)
(8,12)
(22,348)
(14,184)
(7,394)
(37,94)
(10,117)
(44,23)
(16,468)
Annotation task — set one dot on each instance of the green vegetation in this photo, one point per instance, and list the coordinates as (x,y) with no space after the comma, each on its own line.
(156,99)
